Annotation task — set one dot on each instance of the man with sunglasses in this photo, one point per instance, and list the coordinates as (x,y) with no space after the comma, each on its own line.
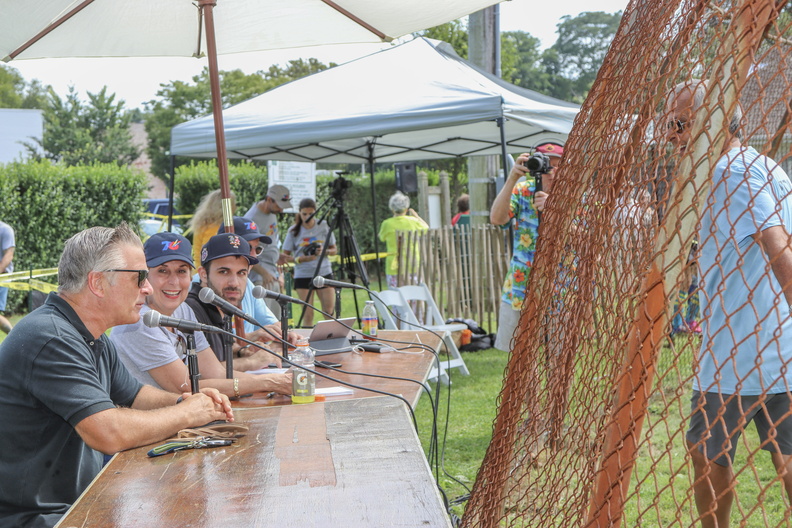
(265,213)
(66,398)
(743,373)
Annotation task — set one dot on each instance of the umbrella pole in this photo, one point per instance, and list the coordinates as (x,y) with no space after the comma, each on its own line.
(207,7)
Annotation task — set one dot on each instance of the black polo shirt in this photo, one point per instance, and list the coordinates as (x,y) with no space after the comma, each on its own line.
(210,315)
(54,374)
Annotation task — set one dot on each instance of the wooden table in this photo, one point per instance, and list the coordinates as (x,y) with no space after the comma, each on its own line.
(351,463)
(412,364)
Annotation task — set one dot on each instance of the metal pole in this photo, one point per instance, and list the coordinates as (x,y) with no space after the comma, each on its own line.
(374,226)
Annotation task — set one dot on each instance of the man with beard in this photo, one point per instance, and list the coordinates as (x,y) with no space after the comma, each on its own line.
(225,264)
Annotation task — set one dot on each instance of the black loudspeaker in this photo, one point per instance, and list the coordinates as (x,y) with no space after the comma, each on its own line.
(406,177)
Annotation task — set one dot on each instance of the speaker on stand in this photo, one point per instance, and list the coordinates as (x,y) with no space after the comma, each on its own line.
(406,177)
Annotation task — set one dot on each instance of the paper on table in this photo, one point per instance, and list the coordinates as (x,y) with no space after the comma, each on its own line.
(334,391)
(268,371)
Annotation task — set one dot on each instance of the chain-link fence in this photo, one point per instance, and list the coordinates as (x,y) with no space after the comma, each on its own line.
(598,422)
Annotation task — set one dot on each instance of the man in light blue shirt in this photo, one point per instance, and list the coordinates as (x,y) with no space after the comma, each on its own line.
(744,369)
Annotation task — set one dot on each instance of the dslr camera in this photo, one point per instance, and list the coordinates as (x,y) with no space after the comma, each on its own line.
(311,249)
(538,163)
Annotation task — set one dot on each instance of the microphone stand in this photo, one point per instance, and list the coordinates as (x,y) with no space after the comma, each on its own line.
(192,362)
(284,320)
(228,346)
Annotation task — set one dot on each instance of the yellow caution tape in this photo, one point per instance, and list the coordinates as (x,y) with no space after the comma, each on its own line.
(10,280)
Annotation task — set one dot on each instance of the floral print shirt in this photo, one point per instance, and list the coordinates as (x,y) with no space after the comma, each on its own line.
(525,233)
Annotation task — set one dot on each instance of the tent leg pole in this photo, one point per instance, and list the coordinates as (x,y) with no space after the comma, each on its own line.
(172,185)
(374,212)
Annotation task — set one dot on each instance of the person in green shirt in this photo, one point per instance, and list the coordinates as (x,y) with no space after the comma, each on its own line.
(403,219)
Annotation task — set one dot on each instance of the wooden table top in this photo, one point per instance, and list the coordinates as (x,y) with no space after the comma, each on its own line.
(411,364)
(350,463)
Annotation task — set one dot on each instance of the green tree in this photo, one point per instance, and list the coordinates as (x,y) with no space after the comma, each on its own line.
(81,134)
(180,101)
(580,50)
(454,33)
(15,92)
(521,62)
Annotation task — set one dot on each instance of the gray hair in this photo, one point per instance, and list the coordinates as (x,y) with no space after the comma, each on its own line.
(93,249)
(399,202)
(699,89)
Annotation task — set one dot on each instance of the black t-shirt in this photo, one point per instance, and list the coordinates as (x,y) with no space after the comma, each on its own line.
(55,375)
(210,315)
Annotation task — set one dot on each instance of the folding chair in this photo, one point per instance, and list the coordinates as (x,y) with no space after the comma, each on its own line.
(436,322)
(394,300)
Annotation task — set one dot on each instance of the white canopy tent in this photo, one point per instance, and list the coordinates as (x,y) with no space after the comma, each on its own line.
(415,101)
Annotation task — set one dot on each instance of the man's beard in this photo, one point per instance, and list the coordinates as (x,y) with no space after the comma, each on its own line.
(220,293)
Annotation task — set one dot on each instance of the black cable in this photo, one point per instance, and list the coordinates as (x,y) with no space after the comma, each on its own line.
(398,397)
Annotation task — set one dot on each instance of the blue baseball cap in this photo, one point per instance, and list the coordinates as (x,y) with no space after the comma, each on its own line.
(247,229)
(226,245)
(164,247)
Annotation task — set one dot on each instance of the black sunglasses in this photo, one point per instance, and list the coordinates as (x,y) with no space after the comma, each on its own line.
(142,274)
(678,124)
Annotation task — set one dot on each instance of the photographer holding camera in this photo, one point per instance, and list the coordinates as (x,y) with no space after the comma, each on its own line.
(304,240)
(524,201)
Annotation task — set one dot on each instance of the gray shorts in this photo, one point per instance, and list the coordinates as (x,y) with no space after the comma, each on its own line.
(771,414)
(507,323)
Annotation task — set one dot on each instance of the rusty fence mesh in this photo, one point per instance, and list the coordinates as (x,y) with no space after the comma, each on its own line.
(593,416)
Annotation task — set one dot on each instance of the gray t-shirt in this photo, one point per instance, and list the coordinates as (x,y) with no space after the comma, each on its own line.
(6,241)
(267,225)
(141,348)
(320,232)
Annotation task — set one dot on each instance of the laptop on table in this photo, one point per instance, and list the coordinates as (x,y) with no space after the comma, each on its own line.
(331,337)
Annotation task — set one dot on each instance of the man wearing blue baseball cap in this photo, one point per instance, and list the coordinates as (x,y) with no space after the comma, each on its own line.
(156,356)
(225,265)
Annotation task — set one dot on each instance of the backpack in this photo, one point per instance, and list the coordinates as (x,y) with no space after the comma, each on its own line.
(479,338)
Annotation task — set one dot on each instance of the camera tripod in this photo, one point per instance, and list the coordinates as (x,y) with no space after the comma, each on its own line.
(351,266)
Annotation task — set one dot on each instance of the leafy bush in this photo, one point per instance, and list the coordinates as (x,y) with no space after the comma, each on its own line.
(248,181)
(46,204)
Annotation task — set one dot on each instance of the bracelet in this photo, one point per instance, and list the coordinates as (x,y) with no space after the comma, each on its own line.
(297,260)
(240,349)
(236,388)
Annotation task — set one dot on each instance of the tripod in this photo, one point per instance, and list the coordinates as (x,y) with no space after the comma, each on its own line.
(351,265)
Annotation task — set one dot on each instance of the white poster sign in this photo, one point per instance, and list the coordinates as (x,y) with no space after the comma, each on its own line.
(298,176)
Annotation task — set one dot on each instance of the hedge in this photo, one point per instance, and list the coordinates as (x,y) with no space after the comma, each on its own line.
(248,181)
(46,204)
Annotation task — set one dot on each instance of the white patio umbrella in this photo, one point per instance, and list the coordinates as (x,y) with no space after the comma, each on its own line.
(32,29)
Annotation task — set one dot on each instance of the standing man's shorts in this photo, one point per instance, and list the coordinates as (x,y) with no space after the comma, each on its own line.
(720,434)
(3,299)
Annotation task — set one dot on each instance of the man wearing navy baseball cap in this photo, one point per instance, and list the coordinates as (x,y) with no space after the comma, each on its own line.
(225,264)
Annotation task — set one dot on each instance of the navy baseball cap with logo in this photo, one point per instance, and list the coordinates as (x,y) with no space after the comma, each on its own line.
(226,245)
(247,229)
(164,247)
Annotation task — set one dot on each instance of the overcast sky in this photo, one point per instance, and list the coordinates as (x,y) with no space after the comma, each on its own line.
(136,80)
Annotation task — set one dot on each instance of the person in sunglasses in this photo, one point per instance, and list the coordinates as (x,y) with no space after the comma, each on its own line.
(66,397)
(156,356)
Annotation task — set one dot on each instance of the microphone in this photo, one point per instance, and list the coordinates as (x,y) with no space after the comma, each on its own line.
(153,319)
(260,293)
(321,282)
(208,296)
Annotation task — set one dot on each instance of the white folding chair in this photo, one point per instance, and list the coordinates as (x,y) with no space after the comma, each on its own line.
(436,322)
(394,300)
